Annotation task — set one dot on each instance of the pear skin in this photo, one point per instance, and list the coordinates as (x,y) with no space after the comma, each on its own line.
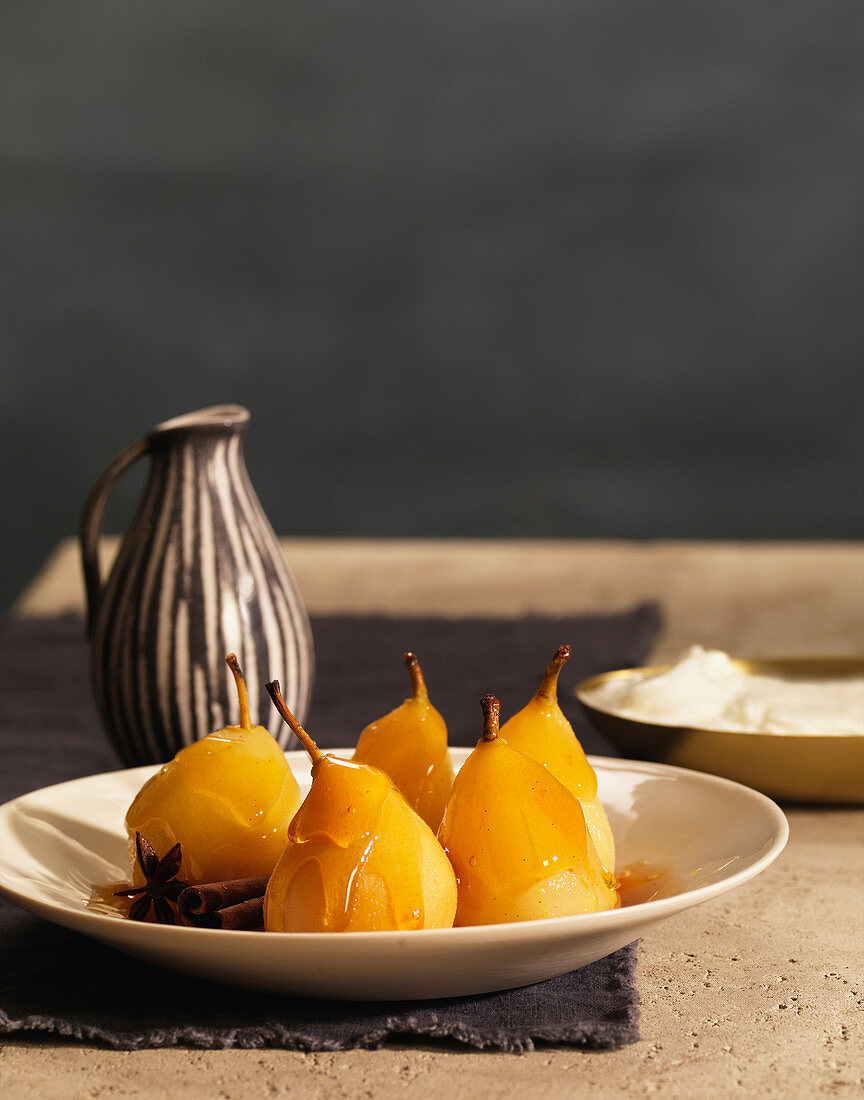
(227,799)
(517,839)
(410,745)
(359,859)
(541,730)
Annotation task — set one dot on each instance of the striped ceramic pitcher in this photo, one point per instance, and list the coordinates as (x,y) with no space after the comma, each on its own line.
(199,574)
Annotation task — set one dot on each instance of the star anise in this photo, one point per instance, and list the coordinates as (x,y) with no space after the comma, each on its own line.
(162,884)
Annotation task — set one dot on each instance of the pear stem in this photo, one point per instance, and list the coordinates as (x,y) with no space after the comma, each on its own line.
(491,710)
(418,684)
(275,693)
(232,662)
(549,686)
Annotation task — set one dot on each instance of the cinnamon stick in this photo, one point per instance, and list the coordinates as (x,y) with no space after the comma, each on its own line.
(246,916)
(203,905)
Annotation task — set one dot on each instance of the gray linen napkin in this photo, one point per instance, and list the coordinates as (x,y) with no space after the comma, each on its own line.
(58,982)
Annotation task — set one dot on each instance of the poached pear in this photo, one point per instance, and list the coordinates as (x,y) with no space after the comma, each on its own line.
(541,730)
(517,838)
(410,745)
(359,859)
(226,799)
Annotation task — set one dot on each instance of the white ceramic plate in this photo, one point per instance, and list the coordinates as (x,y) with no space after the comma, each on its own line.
(701,834)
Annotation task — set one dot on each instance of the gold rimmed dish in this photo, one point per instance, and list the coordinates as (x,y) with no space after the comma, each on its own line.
(802,767)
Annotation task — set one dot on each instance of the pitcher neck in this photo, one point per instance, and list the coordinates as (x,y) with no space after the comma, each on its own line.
(218,422)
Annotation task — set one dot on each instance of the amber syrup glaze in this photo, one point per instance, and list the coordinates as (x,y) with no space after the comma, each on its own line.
(644,881)
(102,899)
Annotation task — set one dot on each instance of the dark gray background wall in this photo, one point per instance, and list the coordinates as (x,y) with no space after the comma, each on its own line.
(478,267)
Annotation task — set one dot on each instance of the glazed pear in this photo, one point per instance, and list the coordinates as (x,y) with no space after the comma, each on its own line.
(227,799)
(410,745)
(541,731)
(359,859)
(517,838)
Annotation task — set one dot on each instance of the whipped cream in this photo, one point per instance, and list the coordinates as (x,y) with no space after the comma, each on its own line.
(704,689)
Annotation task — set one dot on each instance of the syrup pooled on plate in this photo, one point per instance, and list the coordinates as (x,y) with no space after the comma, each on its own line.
(103,900)
(645,881)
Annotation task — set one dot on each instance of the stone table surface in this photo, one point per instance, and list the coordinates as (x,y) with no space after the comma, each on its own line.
(758,993)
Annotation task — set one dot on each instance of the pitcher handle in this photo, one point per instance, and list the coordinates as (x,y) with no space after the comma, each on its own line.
(91,520)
